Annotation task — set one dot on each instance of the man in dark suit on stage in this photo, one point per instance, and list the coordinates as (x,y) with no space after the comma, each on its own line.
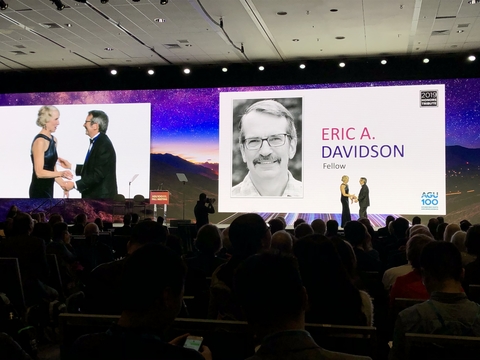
(363,198)
(98,173)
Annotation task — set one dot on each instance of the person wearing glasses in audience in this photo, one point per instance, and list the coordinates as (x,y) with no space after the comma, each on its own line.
(268,141)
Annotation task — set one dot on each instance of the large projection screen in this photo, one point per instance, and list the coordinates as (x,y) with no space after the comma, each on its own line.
(128,129)
(393,136)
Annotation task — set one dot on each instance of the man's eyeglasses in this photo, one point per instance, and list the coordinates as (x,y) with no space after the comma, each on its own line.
(256,143)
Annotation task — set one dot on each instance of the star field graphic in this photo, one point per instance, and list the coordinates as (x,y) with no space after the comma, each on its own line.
(185,122)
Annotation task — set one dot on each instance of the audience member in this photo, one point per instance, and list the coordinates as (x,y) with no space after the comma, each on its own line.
(208,243)
(440,231)
(416,220)
(449,231)
(472,242)
(275,225)
(12,212)
(249,235)
(432,226)
(90,251)
(282,242)
(298,222)
(274,301)
(396,250)
(383,231)
(282,219)
(319,226)
(55,218)
(102,292)
(135,219)
(356,235)
(151,298)
(465,225)
(126,229)
(332,228)
(30,252)
(410,286)
(302,229)
(458,239)
(333,297)
(448,311)
(420,229)
(42,231)
(80,220)
(99,223)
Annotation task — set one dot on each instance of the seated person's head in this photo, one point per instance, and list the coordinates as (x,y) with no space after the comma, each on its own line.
(42,231)
(432,225)
(440,230)
(449,231)
(302,230)
(54,218)
(298,222)
(146,232)
(99,223)
(441,265)
(60,231)
(22,224)
(152,283)
(458,239)
(275,225)
(249,234)
(414,248)
(319,226)
(134,218)
(472,240)
(355,233)
(419,229)
(416,220)
(91,229)
(282,242)
(160,220)
(270,290)
(80,219)
(465,225)
(332,228)
(400,227)
(127,219)
(208,239)
(347,256)
(282,219)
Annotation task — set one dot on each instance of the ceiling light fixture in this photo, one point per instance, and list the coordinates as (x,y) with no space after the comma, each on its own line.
(58,4)
(473,2)
(460,31)
(186,71)
(472,58)
(295,40)
(150,72)
(282,13)
(261,68)
(383,62)
(104,1)
(3,5)
(159,20)
(163,2)
(302,66)
(426,60)
(342,64)
(224,69)
(113,72)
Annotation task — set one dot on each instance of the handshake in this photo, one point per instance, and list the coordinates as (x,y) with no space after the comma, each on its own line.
(353,198)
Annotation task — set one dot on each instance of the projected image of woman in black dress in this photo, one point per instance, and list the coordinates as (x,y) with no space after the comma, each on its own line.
(44,156)
(344,197)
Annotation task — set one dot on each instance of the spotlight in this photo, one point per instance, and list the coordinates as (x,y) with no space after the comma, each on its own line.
(59,4)
(3,5)
(186,71)
(261,68)
(150,72)
(426,60)
(342,64)
(302,66)
(383,62)
(113,72)
(224,69)
(471,58)
(163,2)
(104,1)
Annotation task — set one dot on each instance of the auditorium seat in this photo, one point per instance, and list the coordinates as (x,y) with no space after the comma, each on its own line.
(441,347)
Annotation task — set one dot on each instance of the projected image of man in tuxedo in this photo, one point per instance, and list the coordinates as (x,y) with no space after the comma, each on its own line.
(267,142)
(98,173)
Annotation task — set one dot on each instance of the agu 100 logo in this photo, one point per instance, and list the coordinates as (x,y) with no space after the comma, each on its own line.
(429,200)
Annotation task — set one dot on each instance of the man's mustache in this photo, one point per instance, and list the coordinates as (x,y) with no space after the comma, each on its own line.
(260,159)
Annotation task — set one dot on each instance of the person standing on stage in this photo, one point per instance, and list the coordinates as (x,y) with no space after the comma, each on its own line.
(98,173)
(363,198)
(203,207)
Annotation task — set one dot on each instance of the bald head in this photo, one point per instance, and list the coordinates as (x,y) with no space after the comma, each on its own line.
(91,229)
(282,241)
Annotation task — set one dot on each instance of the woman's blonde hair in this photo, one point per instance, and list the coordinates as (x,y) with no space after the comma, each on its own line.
(45,114)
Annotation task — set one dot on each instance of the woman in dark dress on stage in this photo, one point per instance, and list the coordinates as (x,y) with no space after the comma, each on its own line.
(344,197)
(44,156)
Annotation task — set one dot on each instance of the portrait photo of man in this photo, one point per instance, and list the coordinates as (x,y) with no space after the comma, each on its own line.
(267,148)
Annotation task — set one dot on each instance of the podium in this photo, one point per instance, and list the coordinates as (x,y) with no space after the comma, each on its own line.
(160,197)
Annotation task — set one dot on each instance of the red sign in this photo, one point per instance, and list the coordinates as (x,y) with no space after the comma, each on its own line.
(159,197)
